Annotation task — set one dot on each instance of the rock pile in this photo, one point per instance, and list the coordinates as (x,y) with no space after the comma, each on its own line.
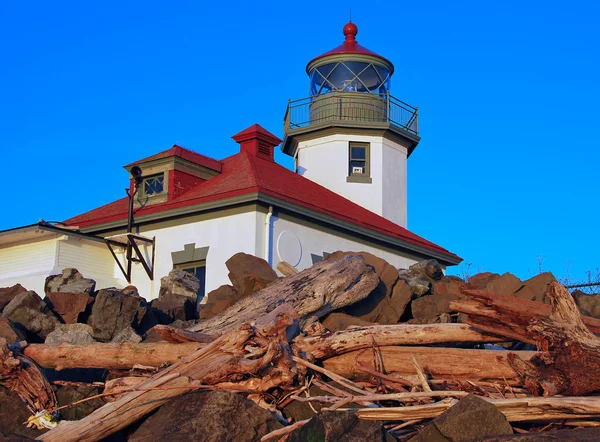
(352,349)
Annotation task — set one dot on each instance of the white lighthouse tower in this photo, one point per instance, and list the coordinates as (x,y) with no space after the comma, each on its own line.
(351,135)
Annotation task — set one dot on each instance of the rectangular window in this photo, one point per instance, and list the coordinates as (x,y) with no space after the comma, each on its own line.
(153,185)
(197,268)
(358,162)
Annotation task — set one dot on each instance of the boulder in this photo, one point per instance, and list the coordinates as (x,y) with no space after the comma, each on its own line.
(571,435)
(212,416)
(429,268)
(535,288)
(418,284)
(385,304)
(10,332)
(589,304)
(13,413)
(69,306)
(430,308)
(69,281)
(126,335)
(337,321)
(339,426)
(168,308)
(114,311)
(448,285)
(28,311)
(178,282)
(506,284)
(480,280)
(68,394)
(76,334)
(218,300)
(249,274)
(470,419)
(8,293)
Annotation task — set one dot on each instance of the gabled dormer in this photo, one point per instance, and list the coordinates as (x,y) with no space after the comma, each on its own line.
(171,173)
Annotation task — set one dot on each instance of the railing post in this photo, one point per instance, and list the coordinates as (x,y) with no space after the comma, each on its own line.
(417,120)
(389,108)
(340,107)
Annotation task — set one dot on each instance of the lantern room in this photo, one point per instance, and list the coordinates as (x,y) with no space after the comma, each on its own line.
(349,67)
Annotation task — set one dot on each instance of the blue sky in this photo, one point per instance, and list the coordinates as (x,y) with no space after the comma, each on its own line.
(506,174)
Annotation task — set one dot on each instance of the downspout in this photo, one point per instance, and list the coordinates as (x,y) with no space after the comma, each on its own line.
(268,235)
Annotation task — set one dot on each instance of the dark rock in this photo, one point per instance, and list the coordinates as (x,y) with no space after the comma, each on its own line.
(535,288)
(8,293)
(385,304)
(574,435)
(249,274)
(168,308)
(178,282)
(428,309)
(470,419)
(114,311)
(69,281)
(70,307)
(27,310)
(207,416)
(68,394)
(126,335)
(10,332)
(13,412)
(429,269)
(337,321)
(76,334)
(339,426)
(590,304)
(219,300)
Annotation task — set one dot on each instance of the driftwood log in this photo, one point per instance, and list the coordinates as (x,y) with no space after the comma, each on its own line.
(439,363)
(569,362)
(109,356)
(330,344)
(312,293)
(19,374)
(255,358)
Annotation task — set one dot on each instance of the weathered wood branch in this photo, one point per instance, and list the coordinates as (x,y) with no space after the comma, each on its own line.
(312,293)
(437,362)
(570,359)
(331,344)
(109,356)
(242,354)
(515,410)
(19,374)
(286,269)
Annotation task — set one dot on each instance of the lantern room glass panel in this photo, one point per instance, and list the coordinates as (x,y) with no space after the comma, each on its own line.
(349,76)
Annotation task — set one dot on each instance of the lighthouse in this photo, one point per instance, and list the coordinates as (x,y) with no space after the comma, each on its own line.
(351,135)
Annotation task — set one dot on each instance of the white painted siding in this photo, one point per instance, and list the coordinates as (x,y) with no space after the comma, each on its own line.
(314,239)
(28,264)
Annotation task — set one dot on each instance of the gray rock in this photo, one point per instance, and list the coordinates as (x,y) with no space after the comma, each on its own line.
(470,419)
(127,335)
(168,308)
(67,395)
(213,416)
(419,284)
(114,311)
(29,311)
(8,293)
(590,304)
(76,334)
(338,426)
(429,269)
(69,281)
(178,282)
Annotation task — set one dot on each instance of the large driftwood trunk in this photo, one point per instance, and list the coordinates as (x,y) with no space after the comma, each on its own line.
(256,358)
(108,356)
(570,360)
(323,346)
(515,410)
(440,363)
(19,374)
(312,293)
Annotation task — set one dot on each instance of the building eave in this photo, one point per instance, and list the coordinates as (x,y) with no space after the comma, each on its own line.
(40,230)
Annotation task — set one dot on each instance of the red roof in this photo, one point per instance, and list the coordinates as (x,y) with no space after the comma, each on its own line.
(186,154)
(243,174)
(351,46)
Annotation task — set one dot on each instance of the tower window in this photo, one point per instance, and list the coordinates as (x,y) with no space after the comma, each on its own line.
(358,163)
(153,185)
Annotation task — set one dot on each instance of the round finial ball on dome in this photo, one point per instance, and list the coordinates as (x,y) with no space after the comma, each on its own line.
(350,31)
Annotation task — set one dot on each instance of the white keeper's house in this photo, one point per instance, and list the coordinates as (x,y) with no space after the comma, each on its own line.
(350,140)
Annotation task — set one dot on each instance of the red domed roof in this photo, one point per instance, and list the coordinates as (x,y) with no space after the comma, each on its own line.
(351,46)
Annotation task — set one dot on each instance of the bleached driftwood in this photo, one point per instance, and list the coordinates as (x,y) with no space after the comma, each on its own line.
(312,293)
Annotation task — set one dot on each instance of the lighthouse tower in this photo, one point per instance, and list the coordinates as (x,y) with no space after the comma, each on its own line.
(351,135)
